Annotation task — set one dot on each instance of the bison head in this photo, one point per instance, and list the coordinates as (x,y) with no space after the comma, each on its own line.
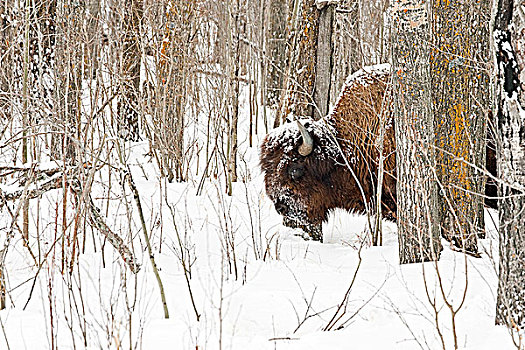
(300,162)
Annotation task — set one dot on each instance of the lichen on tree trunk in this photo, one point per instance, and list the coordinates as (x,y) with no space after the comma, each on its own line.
(303,28)
(459,98)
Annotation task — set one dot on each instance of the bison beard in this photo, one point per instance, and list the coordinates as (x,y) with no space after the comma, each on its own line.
(305,173)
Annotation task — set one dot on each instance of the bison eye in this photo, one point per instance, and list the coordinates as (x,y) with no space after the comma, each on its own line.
(296,172)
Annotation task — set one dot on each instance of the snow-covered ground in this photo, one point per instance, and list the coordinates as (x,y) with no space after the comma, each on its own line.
(279,295)
(253,283)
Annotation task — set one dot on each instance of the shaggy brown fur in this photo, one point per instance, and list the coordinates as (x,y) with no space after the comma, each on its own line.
(305,189)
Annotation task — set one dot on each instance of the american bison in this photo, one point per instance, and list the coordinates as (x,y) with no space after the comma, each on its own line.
(305,173)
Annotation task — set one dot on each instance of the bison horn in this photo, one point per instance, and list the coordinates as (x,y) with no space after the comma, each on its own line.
(308,143)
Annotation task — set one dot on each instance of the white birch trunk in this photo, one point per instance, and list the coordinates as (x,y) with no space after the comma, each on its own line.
(510,307)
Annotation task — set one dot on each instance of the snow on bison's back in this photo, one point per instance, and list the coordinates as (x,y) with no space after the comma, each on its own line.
(305,172)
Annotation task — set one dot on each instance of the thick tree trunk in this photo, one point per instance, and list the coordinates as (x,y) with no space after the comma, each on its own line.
(308,79)
(303,29)
(417,201)
(306,57)
(459,90)
(510,307)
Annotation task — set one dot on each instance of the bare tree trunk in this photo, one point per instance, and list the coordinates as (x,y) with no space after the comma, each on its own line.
(68,82)
(303,29)
(2,287)
(263,64)
(306,54)
(347,57)
(177,60)
(238,29)
(93,39)
(324,64)
(128,102)
(510,307)
(276,50)
(417,201)
(460,90)
(29,42)
(6,59)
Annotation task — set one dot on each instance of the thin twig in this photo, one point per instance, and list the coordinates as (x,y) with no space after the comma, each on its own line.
(131,184)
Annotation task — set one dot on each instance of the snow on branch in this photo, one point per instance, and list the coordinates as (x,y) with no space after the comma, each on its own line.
(95,219)
(39,181)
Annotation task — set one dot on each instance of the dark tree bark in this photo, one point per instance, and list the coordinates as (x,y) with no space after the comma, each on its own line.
(37,73)
(417,195)
(296,97)
(6,59)
(510,57)
(347,56)
(276,50)
(42,33)
(459,90)
(304,55)
(68,81)
(309,61)
(238,28)
(127,107)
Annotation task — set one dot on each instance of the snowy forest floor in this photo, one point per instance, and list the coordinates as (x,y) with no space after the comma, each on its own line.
(256,285)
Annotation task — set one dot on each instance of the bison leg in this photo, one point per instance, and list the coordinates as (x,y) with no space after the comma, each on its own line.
(314,231)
